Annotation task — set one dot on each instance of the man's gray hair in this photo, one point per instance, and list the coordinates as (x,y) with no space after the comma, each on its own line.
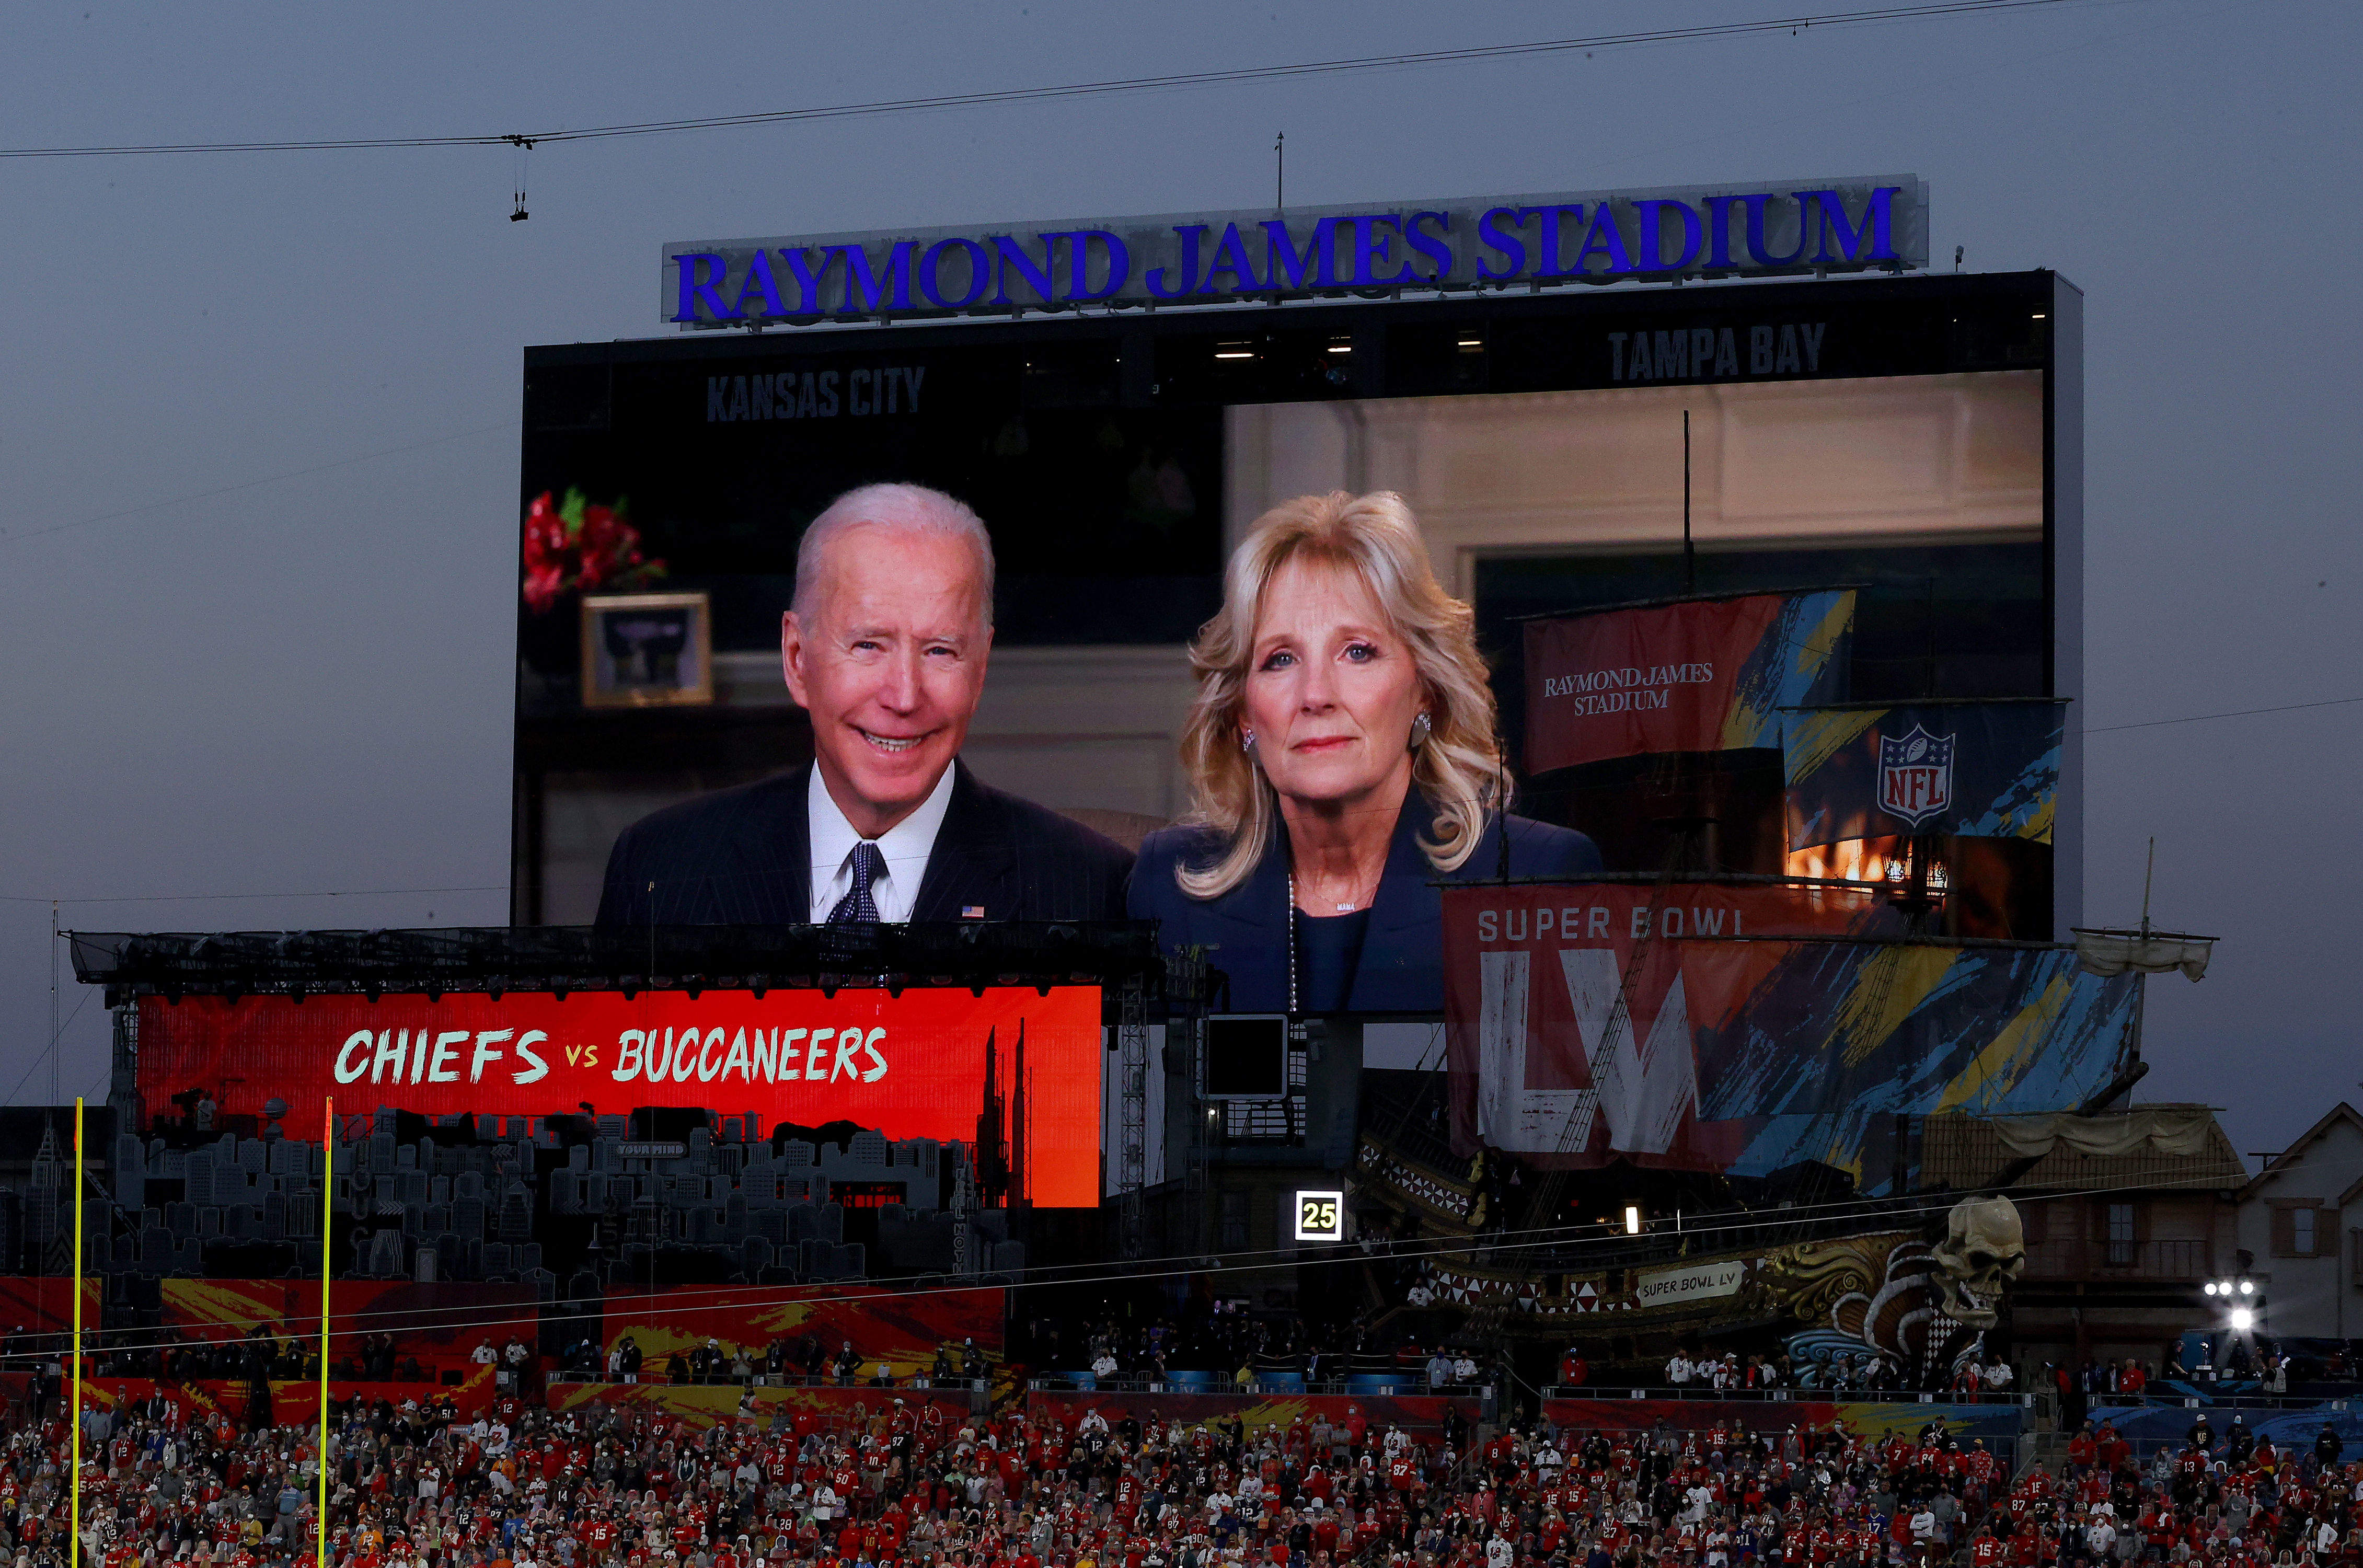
(912,508)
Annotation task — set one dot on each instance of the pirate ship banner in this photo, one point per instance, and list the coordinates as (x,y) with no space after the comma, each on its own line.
(1693,676)
(1742,1029)
(1918,1306)
(1983,769)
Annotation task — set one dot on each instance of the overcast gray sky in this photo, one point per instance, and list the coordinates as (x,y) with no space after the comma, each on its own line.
(258,439)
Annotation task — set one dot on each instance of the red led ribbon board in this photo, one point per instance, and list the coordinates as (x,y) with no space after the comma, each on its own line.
(910,1066)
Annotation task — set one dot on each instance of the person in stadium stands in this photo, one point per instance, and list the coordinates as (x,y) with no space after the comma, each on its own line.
(1342,757)
(886,647)
(171,1480)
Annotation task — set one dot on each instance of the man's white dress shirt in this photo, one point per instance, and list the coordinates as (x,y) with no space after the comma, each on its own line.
(906,846)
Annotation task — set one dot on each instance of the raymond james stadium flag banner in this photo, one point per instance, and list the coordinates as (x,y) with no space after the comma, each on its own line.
(1779,226)
(1984,769)
(1697,675)
(908,1066)
(1676,1027)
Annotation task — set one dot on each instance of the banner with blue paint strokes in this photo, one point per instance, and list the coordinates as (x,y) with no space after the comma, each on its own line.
(1981,770)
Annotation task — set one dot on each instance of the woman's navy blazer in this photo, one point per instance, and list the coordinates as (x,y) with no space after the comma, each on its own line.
(1402,967)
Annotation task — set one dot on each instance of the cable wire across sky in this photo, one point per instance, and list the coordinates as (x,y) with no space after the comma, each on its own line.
(1237,75)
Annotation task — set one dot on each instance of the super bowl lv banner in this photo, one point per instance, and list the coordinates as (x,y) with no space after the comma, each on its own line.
(1982,770)
(1742,1029)
(1693,676)
(1570,1019)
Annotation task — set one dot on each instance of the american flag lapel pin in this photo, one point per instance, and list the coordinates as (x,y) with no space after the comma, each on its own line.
(971,911)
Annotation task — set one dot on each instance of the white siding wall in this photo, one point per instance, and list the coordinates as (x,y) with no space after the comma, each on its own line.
(2310,1296)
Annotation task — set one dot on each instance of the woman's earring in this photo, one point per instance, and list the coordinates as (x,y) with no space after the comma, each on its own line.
(1420,731)
(1246,742)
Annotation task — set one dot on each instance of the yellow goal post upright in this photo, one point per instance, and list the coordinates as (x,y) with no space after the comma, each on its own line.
(328,1214)
(74,1546)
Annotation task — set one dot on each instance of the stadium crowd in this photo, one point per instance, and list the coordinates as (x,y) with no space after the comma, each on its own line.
(1218,1336)
(168,1483)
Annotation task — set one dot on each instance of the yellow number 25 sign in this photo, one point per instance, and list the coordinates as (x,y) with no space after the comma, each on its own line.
(1320,1216)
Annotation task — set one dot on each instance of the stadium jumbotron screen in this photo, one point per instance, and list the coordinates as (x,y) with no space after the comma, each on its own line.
(1891,437)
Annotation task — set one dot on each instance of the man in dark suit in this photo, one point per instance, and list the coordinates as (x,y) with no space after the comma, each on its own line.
(886,647)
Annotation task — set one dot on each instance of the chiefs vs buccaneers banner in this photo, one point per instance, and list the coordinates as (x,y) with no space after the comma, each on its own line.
(1743,1029)
(1982,770)
(1696,676)
(910,1066)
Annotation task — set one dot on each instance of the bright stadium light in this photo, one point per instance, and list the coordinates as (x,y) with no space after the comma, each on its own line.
(2243,1320)
(1632,1220)
(2211,1287)
(2247,1287)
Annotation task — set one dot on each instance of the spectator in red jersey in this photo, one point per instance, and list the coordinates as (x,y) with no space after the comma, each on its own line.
(931,1481)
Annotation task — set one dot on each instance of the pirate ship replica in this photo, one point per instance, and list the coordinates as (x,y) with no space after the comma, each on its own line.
(1693,1098)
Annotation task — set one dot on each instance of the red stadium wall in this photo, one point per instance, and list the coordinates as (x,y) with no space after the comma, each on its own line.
(705,1405)
(1421,1412)
(292,1403)
(698,1406)
(1865,1418)
(35,1304)
(904,1326)
(440,1323)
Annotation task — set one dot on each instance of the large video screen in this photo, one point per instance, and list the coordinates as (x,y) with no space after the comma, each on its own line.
(1898,437)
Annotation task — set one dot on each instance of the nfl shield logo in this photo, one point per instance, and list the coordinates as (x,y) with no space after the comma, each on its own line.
(1916,776)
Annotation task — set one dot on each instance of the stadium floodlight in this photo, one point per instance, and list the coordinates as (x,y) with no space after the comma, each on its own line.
(2210,1287)
(2247,1287)
(2243,1320)
(1632,1220)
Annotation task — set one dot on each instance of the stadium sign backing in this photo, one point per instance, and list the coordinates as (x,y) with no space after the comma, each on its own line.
(1769,229)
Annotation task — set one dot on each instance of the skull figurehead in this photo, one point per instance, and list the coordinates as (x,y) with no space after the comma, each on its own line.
(1982,1253)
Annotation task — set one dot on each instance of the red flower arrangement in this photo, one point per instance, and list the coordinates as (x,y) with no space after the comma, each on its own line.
(573,545)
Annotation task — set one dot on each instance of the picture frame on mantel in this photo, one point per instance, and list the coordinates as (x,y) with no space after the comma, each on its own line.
(648,649)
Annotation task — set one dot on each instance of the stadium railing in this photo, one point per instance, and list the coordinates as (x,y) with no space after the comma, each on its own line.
(1704,1393)
(776,1380)
(1369,1385)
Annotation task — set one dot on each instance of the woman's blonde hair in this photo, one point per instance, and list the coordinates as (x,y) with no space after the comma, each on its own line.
(1376,539)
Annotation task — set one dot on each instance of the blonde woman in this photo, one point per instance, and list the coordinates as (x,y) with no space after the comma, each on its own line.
(1342,760)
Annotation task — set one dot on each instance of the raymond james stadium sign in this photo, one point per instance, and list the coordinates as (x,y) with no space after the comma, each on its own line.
(1786,227)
